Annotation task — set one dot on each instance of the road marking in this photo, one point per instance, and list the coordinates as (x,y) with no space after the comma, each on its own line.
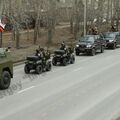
(26,89)
(77,69)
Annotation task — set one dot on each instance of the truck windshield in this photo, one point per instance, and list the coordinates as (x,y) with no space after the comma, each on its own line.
(109,35)
(88,39)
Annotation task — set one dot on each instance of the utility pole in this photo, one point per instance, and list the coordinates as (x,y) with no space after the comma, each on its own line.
(111,11)
(93,8)
(85,16)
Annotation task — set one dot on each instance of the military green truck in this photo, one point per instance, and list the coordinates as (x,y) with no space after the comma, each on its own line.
(6,69)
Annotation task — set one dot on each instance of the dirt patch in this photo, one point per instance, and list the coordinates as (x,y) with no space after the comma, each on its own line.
(62,33)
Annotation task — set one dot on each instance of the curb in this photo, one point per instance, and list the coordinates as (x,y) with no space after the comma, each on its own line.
(18,63)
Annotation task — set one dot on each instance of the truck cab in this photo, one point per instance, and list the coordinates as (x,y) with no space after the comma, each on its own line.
(6,69)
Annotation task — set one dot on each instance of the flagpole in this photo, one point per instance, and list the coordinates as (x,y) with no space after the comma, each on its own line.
(2,28)
(0,39)
(85,16)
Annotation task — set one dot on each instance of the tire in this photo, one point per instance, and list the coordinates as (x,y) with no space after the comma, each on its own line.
(93,52)
(48,67)
(39,69)
(54,62)
(5,80)
(26,69)
(77,53)
(64,62)
(72,60)
(102,49)
(114,46)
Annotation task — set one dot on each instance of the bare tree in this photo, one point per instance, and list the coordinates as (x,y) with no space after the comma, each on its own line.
(51,19)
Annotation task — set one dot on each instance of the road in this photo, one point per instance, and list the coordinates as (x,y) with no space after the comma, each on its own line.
(87,90)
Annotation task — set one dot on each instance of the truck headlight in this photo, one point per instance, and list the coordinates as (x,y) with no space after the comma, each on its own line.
(88,46)
(111,41)
(77,45)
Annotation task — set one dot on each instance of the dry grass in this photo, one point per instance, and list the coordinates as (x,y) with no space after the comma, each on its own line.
(20,54)
(62,33)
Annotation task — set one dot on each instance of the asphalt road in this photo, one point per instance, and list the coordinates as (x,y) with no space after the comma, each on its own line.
(87,90)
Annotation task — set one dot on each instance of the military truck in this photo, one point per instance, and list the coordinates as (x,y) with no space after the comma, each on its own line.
(6,69)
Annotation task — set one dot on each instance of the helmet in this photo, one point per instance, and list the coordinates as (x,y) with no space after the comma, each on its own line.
(37,51)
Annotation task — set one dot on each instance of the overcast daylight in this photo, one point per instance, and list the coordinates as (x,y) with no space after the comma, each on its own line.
(60,59)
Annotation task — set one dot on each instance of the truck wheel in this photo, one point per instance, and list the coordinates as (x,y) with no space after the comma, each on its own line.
(5,80)
(39,69)
(54,62)
(93,52)
(72,60)
(77,53)
(64,61)
(26,69)
(49,67)
(102,49)
(114,46)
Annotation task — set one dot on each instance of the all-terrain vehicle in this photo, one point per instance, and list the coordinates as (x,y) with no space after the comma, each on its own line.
(63,57)
(38,64)
(6,69)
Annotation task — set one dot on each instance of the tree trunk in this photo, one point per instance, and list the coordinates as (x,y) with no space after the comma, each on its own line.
(71,25)
(35,35)
(50,36)
(28,32)
(17,39)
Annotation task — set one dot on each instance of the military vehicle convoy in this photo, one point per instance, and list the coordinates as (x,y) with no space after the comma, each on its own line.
(6,69)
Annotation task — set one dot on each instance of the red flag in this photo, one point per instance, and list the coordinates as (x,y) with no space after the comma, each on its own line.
(2,26)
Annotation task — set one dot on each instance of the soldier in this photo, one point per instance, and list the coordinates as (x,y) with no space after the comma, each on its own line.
(37,53)
(40,52)
(47,54)
(43,56)
(82,34)
(113,29)
(63,46)
(8,49)
(94,31)
(90,31)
